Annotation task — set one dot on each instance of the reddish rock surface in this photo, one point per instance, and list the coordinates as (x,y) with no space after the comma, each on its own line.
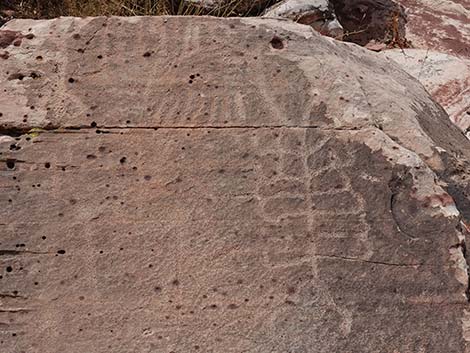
(442,26)
(190,184)
(446,77)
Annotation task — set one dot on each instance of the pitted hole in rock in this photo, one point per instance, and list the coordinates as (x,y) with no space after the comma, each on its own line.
(17,76)
(123,160)
(10,163)
(277,43)
(71,80)
(47,165)
(61,252)
(147,54)
(9,269)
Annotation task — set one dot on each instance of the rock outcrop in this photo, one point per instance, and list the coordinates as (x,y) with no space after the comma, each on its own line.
(440,34)
(442,26)
(446,77)
(319,14)
(179,184)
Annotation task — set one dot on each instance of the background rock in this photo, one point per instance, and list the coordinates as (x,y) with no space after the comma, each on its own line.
(446,77)
(319,14)
(224,185)
(442,26)
(366,20)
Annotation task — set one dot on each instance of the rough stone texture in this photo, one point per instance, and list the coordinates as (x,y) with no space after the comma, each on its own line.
(446,77)
(224,185)
(442,26)
(371,20)
(319,14)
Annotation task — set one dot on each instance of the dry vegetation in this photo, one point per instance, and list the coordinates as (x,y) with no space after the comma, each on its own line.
(55,8)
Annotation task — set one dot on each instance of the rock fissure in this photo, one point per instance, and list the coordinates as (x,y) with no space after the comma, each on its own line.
(4,252)
(346,258)
(462,246)
(397,223)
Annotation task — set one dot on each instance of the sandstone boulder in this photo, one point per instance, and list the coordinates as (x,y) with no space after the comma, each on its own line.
(180,184)
(319,14)
(446,77)
(442,26)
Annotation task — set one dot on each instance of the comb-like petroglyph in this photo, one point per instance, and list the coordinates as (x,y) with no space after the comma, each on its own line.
(185,184)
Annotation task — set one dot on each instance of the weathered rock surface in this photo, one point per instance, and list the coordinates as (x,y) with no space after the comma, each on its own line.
(446,77)
(224,185)
(442,26)
(319,14)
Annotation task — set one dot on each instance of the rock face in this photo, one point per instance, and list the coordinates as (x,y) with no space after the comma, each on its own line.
(319,14)
(446,77)
(224,185)
(442,60)
(442,26)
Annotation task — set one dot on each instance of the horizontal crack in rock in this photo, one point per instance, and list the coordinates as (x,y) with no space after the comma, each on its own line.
(369,261)
(19,131)
(21,252)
